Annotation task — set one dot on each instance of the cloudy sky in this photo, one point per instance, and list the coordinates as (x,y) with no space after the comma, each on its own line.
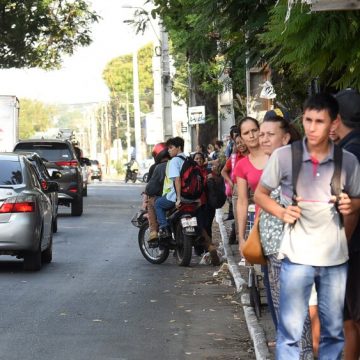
(80,79)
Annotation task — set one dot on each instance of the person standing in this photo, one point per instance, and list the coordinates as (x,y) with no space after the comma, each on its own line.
(248,171)
(314,246)
(348,137)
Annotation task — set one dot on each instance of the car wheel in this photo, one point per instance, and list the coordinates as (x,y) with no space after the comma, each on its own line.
(77,207)
(32,260)
(145,178)
(46,256)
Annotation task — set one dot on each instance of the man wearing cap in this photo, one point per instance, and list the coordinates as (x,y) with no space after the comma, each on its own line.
(348,132)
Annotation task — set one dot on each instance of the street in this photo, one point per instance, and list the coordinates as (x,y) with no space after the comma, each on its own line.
(100,299)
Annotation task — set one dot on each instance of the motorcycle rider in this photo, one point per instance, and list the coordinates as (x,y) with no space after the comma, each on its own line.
(154,187)
(172,185)
(131,167)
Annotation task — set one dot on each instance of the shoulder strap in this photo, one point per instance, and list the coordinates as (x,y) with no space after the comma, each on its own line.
(181,157)
(296,157)
(336,178)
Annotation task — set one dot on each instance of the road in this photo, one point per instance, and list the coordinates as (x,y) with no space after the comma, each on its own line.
(101,300)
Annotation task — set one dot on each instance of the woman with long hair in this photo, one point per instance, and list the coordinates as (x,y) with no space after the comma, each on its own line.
(248,171)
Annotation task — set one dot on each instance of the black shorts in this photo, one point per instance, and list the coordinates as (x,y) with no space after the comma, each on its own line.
(352,296)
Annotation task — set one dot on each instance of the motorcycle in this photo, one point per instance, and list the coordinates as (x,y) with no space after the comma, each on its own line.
(185,234)
(130,174)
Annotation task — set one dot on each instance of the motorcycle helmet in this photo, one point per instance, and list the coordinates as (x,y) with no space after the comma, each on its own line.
(159,151)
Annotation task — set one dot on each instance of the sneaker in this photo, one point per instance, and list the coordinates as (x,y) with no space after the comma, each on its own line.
(153,240)
(153,236)
(164,233)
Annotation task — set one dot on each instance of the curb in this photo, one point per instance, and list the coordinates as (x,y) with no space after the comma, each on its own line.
(255,330)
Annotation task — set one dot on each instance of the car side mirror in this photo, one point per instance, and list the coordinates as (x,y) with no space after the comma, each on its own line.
(85,161)
(52,186)
(56,175)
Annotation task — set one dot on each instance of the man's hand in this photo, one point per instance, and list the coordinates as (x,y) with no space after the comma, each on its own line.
(345,204)
(291,214)
(178,203)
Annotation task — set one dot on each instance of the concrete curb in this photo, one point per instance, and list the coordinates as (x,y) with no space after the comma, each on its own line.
(255,330)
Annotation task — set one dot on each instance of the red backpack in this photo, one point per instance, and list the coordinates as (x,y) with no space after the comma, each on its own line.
(192,179)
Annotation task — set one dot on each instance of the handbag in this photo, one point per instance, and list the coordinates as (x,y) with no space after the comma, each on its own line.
(252,249)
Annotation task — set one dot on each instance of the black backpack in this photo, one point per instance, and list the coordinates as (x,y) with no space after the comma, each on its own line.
(215,192)
(192,179)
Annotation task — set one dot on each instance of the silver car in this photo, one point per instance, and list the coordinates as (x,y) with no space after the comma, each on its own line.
(25,212)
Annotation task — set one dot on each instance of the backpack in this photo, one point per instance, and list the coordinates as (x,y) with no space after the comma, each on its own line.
(192,179)
(297,156)
(215,192)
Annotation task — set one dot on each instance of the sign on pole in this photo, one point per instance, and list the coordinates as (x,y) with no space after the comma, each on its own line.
(330,5)
(196,115)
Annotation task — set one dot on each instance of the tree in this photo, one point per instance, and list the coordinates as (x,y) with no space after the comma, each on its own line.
(118,76)
(34,116)
(321,45)
(36,33)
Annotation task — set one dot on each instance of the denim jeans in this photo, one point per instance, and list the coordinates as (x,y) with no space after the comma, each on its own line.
(296,281)
(161,205)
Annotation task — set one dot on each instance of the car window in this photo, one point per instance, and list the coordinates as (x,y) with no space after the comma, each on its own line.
(48,151)
(10,173)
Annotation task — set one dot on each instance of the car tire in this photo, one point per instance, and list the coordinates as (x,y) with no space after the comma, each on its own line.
(46,255)
(32,260)
(77,207)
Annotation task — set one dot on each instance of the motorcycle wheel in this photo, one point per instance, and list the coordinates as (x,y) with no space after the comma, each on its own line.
(183,247)
(134,178)
(152,255)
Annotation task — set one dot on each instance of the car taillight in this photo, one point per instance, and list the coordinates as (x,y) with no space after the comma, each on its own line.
(73,189)
(17,205)
(72,163)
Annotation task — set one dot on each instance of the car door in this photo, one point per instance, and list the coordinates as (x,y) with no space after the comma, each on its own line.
(45,207)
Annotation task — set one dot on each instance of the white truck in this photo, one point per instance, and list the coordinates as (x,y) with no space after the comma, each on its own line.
(9,122)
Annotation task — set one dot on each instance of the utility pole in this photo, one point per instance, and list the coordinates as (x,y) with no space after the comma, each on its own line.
(128,135)
(137,120)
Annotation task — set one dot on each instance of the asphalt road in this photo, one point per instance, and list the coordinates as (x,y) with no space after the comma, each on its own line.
(100,299)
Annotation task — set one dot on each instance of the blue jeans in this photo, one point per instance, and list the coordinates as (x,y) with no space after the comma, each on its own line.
(161,205)
(296,281)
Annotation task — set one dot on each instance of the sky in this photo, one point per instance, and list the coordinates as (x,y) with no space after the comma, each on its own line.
(80,78)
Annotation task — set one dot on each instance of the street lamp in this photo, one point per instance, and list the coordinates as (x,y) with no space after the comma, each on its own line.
(162,85)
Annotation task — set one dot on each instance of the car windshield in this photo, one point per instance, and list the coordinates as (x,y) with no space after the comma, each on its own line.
(10,173)
(47,151)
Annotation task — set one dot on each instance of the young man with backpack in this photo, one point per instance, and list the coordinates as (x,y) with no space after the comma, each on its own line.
(314,246)
(172,185)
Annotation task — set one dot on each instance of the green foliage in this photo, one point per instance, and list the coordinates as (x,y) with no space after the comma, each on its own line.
(118,76)
(34,116)
(36,33)
(310,45)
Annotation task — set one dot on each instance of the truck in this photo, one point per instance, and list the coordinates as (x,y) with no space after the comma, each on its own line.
(9,122)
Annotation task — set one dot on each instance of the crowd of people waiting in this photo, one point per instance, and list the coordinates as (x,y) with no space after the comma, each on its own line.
(310,236)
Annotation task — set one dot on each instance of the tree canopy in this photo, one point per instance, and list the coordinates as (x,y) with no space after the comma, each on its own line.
(208,36)
(34,116)
(118,76)
(37,33)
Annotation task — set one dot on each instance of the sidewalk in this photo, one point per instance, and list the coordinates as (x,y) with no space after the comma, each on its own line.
(261,330)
